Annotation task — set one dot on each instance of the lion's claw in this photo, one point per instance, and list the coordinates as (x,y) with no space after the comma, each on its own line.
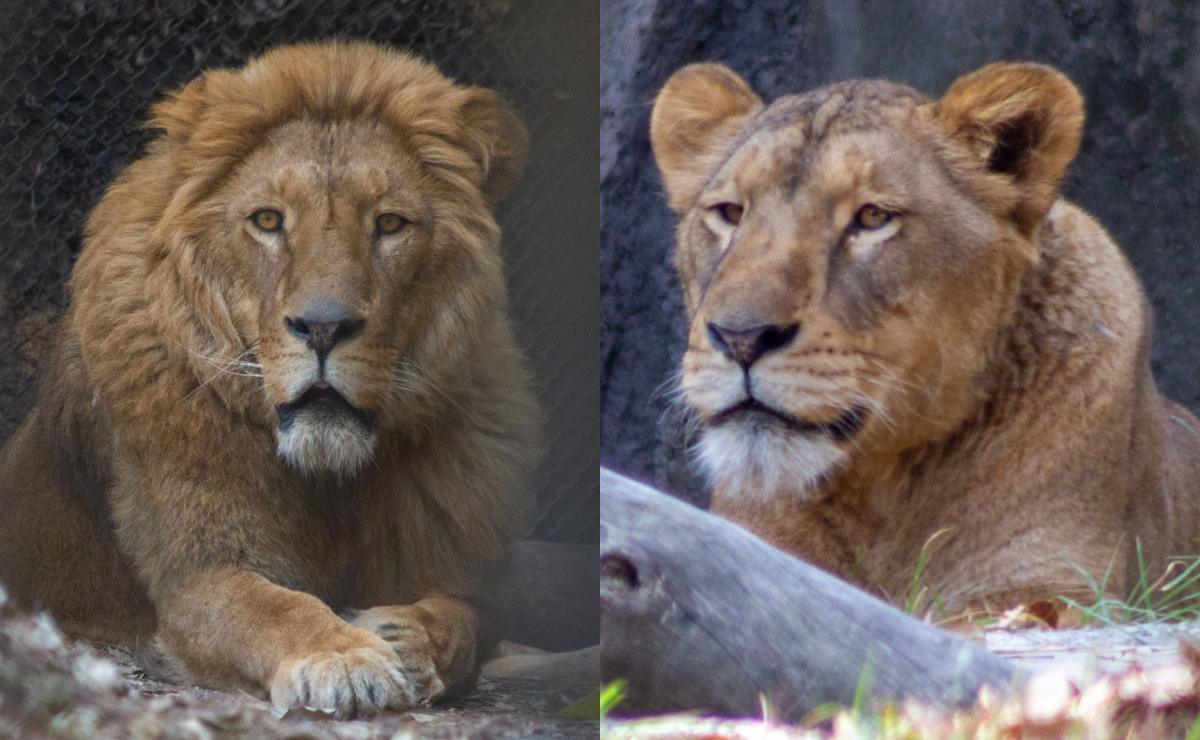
(410,641)
(358,682)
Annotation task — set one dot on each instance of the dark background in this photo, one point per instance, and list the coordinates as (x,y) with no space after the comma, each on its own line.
(77,78)
(1137,64)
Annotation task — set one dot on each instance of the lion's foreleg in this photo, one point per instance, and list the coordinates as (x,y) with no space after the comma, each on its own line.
(229,626)
(444,628)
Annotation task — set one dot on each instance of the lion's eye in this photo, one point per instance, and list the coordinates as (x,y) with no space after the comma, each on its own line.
(267,219)
(730,213)
(390,223)
(872,217)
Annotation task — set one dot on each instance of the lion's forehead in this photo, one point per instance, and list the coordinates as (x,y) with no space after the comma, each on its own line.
(358,156)
(365,178)
(792,134)
(847,125)
(846,106)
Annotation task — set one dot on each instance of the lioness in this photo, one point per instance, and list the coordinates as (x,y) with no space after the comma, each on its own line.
(897,327)
(287,387)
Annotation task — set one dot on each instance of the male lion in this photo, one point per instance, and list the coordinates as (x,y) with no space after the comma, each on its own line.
(287,387)
(897,328)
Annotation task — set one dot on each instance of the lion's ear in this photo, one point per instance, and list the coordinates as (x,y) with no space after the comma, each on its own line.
(497,140)
(1021,120)
(180,110)
(697,115)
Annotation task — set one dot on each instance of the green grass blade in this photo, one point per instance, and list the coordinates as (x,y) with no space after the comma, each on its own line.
(610,696)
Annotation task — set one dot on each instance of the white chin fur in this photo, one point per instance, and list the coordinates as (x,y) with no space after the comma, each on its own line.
(759,461)
(329,445)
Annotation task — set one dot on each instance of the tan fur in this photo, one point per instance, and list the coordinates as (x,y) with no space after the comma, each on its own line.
(991,336)
(146,500)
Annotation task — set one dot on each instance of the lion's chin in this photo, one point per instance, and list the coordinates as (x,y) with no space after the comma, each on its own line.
(764,460)
(322,433)
(338,446)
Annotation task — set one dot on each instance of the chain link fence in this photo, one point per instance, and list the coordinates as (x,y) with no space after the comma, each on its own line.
(76,81)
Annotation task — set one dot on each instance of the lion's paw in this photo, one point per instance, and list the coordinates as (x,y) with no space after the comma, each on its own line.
(358,682)
(409,640)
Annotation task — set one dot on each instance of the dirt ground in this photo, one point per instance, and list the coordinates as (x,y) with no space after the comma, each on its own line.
(1093,651)
(50,688)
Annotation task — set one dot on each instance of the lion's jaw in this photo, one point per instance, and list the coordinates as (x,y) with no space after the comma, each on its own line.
(325,433)
(757,459)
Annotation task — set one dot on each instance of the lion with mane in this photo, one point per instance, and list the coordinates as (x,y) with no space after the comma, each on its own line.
(281,441)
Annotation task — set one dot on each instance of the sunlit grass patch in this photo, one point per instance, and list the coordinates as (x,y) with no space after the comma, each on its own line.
(1171,596)
(611,696)
(920,596)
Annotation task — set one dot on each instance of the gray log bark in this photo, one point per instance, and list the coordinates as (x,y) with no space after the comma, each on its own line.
(699,614)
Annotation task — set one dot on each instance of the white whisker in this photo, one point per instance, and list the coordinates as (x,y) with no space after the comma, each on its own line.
(235,366)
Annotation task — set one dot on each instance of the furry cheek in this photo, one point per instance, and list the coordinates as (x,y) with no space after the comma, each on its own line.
(806,395)
(710,384)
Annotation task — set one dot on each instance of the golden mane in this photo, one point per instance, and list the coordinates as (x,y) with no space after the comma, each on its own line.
(215,121)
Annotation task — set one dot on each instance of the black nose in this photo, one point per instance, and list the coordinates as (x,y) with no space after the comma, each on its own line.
(321,331)
(745,346)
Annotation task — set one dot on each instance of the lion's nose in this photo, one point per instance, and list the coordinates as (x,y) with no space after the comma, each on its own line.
(745,346)
(322,329)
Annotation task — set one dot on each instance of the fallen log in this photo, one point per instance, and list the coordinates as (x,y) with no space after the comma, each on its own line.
(699,614)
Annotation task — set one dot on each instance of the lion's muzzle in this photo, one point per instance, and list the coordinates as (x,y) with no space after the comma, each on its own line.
(324,326)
